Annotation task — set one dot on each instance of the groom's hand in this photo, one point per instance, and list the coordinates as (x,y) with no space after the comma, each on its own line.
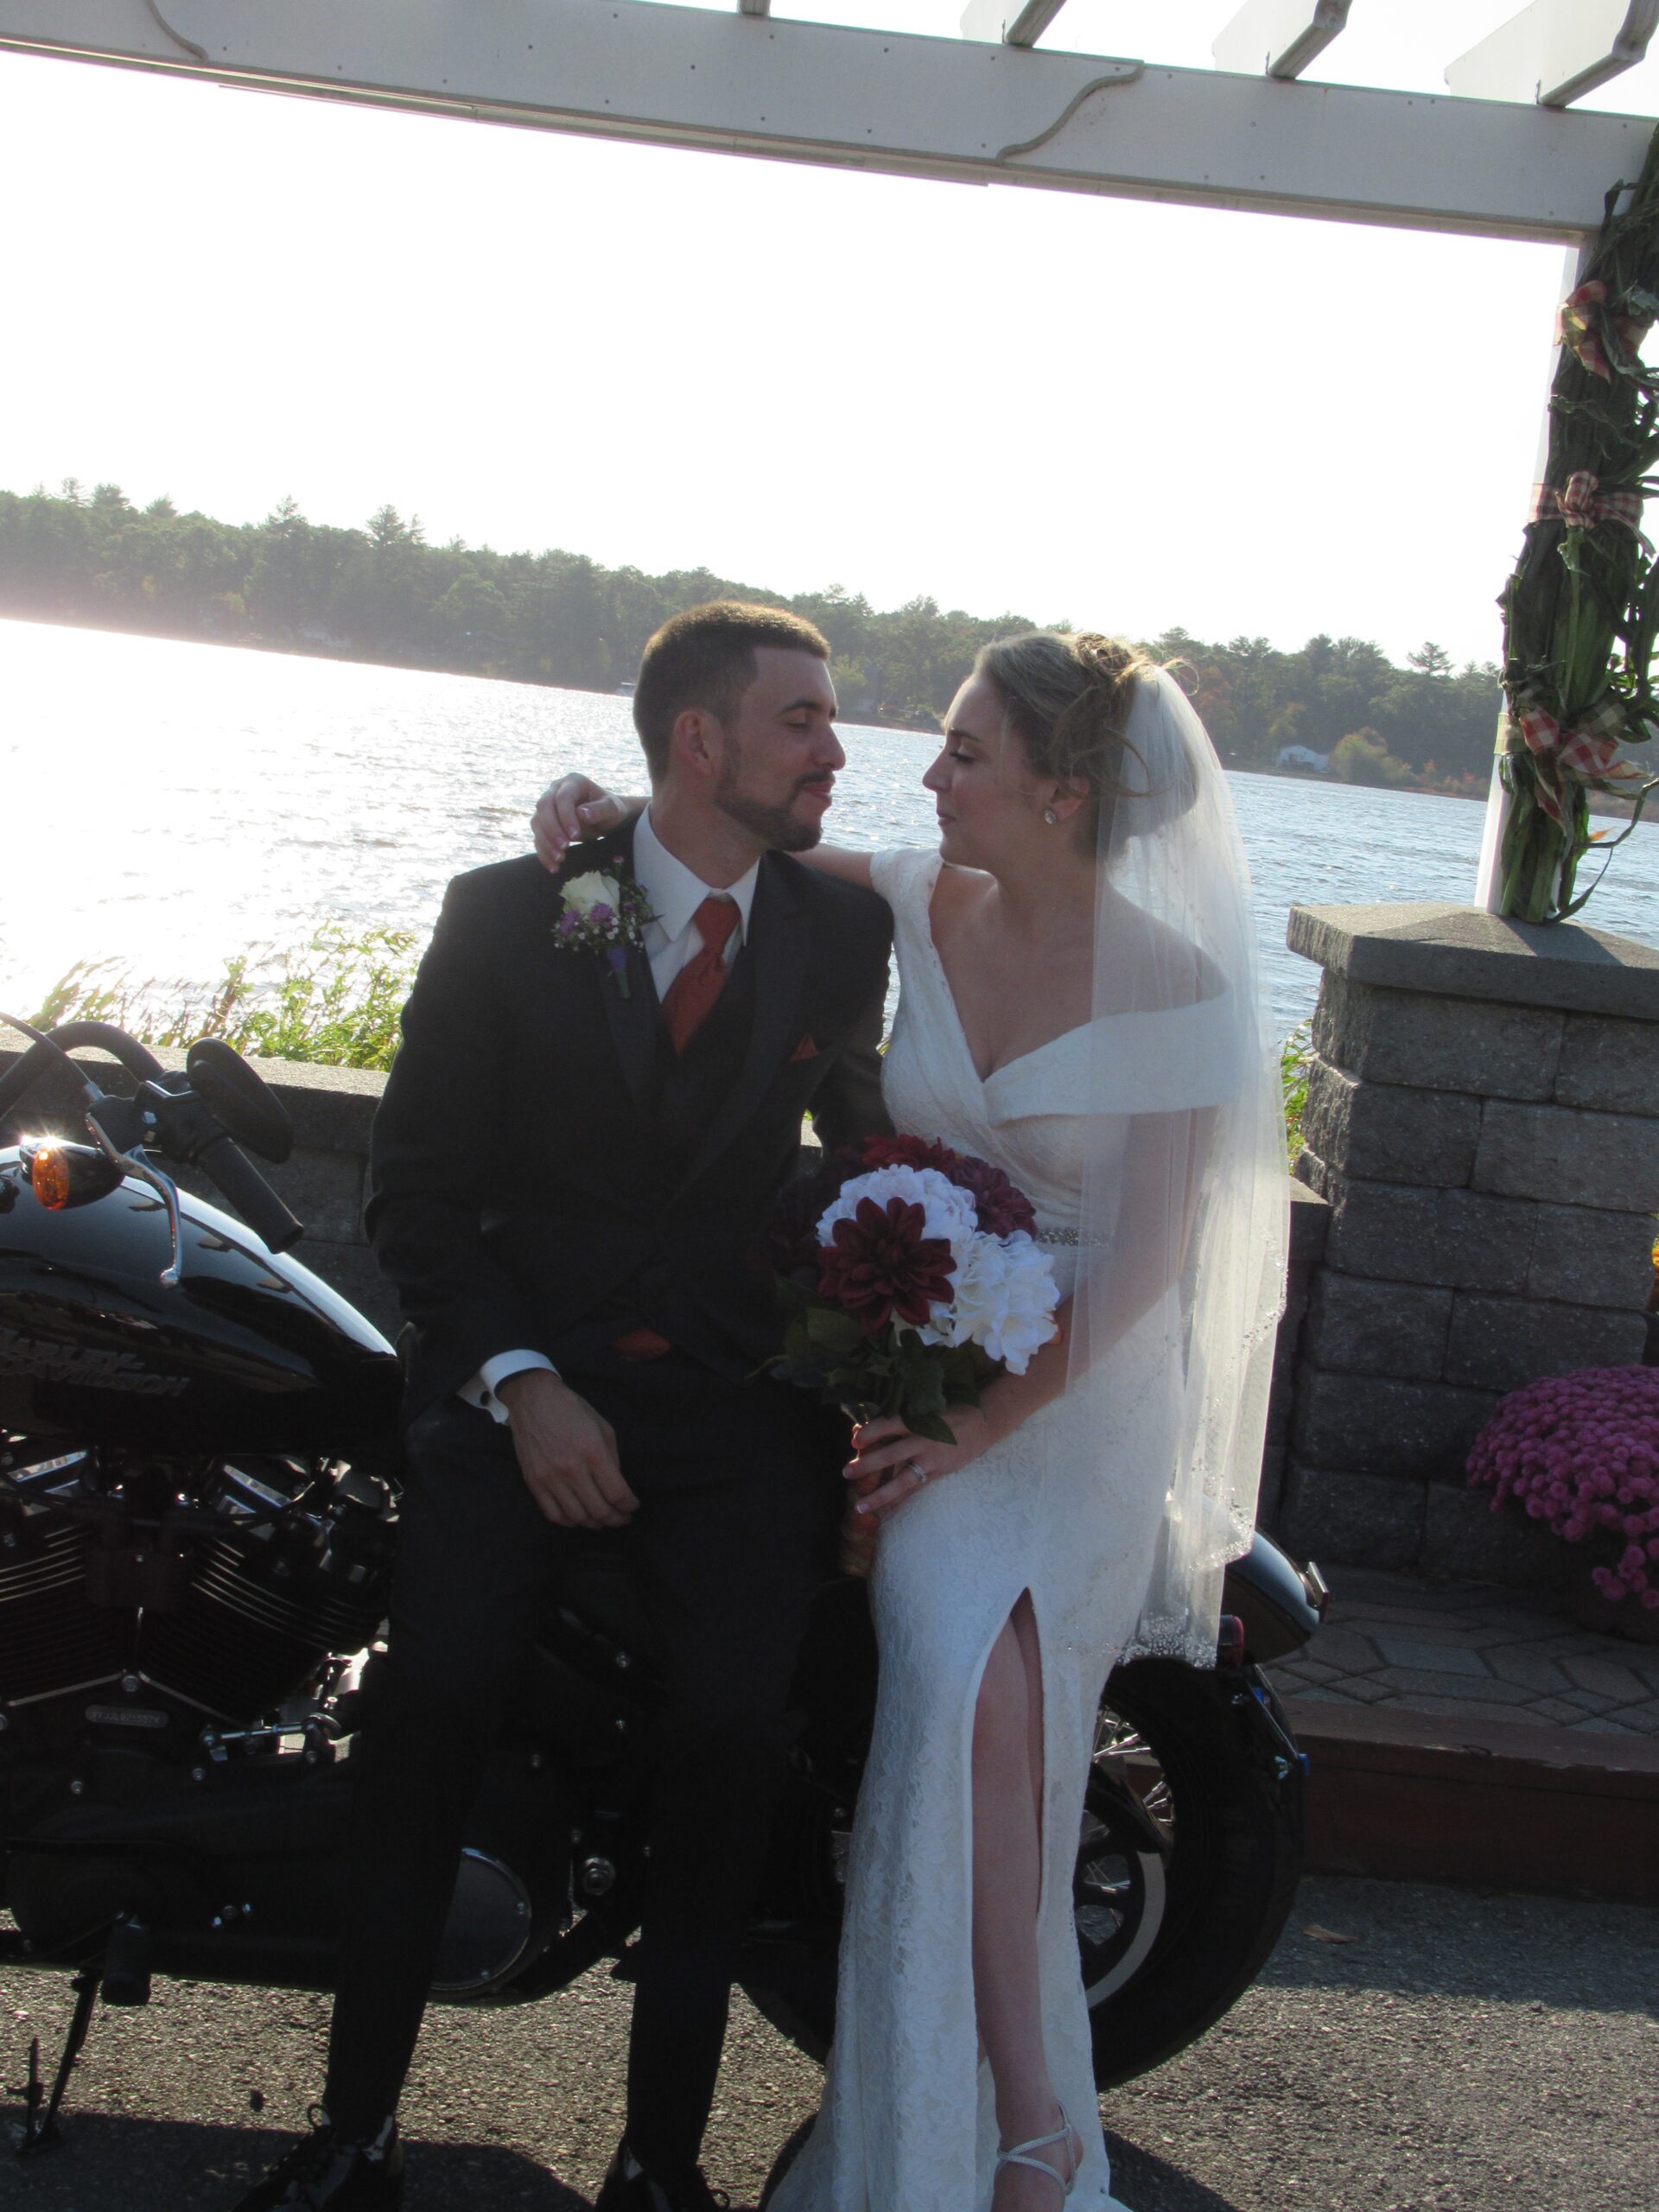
(567,1452)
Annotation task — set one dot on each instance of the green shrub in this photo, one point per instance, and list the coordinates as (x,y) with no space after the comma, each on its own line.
(1362,757)
(335,999)
(1295,1056)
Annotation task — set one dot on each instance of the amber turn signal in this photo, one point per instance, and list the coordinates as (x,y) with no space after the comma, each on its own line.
(50,1177)
(63,1175)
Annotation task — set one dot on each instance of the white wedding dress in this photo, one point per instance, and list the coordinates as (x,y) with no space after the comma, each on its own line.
(1069,1509)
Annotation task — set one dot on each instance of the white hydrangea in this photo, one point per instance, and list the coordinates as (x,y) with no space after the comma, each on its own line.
(947,1211)
(1005,1300)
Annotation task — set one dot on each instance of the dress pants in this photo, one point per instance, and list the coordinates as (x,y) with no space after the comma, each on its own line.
(740,1501)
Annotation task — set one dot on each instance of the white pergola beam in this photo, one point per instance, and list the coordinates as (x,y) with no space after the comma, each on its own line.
(1279,37)
(1556,51)
(1009,23)
(943,108)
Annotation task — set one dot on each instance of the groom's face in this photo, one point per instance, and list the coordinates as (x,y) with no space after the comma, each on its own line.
(778,751)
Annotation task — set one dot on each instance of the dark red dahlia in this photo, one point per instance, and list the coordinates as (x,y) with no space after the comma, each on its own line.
(881,1264)
(1003,1208)
(910,1152)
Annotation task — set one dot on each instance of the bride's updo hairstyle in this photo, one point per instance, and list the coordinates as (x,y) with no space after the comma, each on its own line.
(1070,700)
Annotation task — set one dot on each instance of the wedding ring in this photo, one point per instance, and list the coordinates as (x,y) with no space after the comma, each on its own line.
(911,1467)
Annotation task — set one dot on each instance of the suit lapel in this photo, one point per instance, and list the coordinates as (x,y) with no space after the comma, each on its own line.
(778,943)
(634,1020)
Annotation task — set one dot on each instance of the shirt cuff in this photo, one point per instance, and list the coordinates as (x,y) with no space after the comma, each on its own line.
(479,1389)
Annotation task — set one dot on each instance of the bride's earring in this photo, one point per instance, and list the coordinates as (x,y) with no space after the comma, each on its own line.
(1050,817)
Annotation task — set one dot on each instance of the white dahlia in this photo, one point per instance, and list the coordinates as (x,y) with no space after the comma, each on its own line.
(947,1211)
(1005,1299)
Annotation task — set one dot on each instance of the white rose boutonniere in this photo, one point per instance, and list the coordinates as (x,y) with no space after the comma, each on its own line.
(605,914)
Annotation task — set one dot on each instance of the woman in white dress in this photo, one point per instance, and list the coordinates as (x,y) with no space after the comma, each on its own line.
(1077,1005)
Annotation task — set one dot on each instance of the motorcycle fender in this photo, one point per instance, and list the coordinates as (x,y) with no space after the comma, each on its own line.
(1280,1604)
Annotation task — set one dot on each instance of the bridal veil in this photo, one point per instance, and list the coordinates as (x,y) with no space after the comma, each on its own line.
(1192,1219)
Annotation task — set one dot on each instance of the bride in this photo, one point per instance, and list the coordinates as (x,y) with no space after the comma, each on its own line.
(1077,1004)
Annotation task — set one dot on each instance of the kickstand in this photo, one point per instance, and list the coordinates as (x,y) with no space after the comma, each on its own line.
(40,2129)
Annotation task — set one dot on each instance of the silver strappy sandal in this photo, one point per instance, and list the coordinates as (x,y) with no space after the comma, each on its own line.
(1020,2155)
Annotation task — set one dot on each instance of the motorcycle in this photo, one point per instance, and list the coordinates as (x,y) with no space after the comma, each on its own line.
(198,1475)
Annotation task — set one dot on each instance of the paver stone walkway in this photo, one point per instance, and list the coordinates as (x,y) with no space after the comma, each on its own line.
(1463,1649)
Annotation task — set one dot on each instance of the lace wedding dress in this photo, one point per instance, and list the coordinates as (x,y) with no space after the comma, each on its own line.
(1070,1509)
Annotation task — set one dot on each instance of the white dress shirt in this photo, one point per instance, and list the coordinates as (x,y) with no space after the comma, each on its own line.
(673,939)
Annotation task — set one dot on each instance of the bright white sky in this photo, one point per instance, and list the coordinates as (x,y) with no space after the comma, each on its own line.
(1131,416)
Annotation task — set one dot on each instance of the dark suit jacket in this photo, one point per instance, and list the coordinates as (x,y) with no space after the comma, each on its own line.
(545,1172)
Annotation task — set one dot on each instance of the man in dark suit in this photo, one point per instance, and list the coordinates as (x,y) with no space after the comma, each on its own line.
(580,1146)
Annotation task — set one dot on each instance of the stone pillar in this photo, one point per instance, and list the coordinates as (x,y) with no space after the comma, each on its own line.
(1309,1224)
(1482,1119)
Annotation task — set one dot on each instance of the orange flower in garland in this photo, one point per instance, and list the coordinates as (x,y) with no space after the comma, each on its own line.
(881,1264)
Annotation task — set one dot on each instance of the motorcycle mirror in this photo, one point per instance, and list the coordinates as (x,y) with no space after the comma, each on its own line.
(64,1175)
(240,1101)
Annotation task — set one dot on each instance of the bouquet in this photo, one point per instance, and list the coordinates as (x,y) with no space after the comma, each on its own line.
(910,1278)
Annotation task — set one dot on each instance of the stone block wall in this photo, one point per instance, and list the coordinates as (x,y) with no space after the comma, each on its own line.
(1491,1163)
(1309,1224)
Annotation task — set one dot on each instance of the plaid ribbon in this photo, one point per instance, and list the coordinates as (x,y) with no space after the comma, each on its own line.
(1587,751)
(1584,503)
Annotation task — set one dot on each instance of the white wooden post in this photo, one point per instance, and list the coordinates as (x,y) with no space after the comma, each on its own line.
(1489,873)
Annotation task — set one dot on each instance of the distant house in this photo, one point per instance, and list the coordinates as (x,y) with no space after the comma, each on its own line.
(1302,756)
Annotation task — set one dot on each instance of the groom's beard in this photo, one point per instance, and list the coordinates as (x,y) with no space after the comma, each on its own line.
(778,829)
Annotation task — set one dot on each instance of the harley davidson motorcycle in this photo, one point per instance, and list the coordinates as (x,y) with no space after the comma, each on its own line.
(199,1467)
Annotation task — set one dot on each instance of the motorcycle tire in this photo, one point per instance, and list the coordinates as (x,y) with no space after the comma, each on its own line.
(1230,1806)
(1173,1926)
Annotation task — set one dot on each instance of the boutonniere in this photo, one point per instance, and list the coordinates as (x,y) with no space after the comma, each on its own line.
(604,914)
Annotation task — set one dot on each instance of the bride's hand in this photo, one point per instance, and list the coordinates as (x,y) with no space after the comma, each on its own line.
(892,1465)
(570,811)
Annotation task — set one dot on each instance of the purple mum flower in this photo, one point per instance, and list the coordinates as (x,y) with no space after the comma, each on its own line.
(1576,1451)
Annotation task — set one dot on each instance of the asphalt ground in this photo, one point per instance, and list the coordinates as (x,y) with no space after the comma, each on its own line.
(1465,2054)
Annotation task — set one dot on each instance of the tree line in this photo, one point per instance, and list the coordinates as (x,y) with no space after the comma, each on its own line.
(384,594)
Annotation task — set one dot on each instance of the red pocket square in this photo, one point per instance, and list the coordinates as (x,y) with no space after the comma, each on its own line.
(806,1050)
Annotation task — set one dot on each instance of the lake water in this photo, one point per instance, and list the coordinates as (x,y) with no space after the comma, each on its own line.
(168,805)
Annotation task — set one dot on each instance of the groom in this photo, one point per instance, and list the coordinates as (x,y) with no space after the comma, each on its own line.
(580,1142)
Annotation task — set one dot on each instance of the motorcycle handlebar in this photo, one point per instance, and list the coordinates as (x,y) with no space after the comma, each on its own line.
(236,1176)
(49,1051)
(184,1124)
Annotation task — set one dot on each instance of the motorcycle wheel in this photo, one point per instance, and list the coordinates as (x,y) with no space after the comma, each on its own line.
(1170,1941)
(1188,1859)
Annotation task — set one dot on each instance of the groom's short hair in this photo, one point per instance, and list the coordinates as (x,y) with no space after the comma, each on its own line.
(705,658)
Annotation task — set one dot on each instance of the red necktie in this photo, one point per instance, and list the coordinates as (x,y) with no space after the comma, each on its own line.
(692,994)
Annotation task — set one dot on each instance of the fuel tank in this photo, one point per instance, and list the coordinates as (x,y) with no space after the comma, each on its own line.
(249,1352)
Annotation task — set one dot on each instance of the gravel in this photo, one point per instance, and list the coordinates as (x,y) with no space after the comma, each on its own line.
(1465,2054)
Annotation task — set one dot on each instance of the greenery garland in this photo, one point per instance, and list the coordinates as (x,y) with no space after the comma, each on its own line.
(1581,611)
